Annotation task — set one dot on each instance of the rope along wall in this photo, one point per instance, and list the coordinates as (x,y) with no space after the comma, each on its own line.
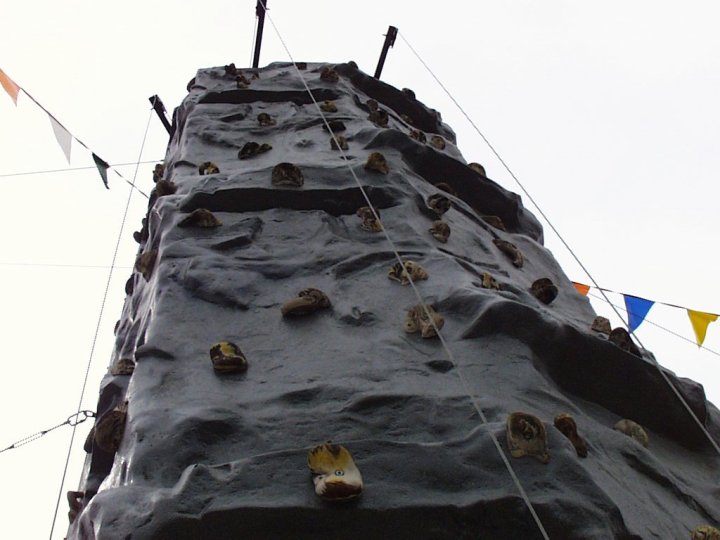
(567,246)
(393,247)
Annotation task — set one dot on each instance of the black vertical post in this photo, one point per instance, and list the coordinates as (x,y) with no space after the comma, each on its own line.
(389,42)
(160,111)
(260,13)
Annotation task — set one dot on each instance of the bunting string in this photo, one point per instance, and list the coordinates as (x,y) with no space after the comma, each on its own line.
(63,135)
(637,308)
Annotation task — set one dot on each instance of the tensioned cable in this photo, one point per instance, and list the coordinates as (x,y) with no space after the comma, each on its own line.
(646,320)
(252,44)
(100,316)
(73,419)
(449,353)
(75,169)
(560,237)
(52,265)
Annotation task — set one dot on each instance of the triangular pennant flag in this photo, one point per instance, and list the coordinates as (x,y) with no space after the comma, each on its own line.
(102,168)
(637,309)
(10,87)
(582,289)
(700,322)
(63,136)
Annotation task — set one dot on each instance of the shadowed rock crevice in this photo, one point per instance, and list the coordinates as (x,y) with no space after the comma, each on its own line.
(298,97)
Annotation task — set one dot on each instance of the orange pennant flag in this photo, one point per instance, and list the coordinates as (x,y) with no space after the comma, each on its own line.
(10,87)
(582,289)
(700,322)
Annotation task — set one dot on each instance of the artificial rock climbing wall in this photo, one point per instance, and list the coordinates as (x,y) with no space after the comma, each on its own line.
(192,446)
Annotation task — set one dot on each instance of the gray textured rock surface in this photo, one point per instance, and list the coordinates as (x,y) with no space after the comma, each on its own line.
(224,456)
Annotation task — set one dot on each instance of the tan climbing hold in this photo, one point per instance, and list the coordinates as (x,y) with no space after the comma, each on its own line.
(544,290)
(158,172)
(335,475)
(200,217)
(489,282)
(526,436)
(109,430)
(440,231)
(407,271)
(620,337)
(372,105)
(227,357)
(328,106)
(369,222)
(417,320)
(164,187)
(208,167)
(511,251)
(308,301)
(633,430)
(705,532)
(379,118)
(287,174)
(417,135)
(602,325)
(242,82)
(123,366)
(329,75)
(477,168)
(265,120)
(439,203)
(438,142)
(342,141)
(494,221)
(565,423)
(145,263)
(252,149)
(376,162)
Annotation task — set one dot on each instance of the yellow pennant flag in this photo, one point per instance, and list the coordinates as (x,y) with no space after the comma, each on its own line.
(10,87)
(700,322)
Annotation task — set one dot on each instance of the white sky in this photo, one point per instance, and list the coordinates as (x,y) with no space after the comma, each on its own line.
(608,112)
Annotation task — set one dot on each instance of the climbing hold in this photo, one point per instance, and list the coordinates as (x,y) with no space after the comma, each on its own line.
(510,250)
(494,221)
(251,149)
(329,75)
(110,428)
(705,532)
(335,475)
(440,231)
(301,65)
(124,366)
(227,357)
(439,203)
(408,93)
(632,429)
(417,135)
(158,172)
(544,290)
(75,499)
(328,106)
(242,82)
(526,436)
(164,187)
(477,168)
(438,142)
(340,141)
(264,119)
(565,423)
(369,222)
(489,282)
(417,320)
(231,70)
(308,301)
(621,338)
(208,168)
(287,174)
(372,105)
(200,217)
(602,325)
(407,271)
(130,285)
(379,117)
(146,262)
(376,162)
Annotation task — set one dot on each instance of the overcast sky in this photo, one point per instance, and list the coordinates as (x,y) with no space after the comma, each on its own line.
(608,113)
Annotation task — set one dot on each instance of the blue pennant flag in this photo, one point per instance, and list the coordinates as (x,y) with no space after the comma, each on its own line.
(637,309)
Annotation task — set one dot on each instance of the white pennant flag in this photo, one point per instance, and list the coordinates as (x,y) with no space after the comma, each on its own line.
(63,137)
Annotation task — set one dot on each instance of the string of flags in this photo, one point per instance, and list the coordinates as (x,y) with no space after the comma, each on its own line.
(62,134)
(637,309)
